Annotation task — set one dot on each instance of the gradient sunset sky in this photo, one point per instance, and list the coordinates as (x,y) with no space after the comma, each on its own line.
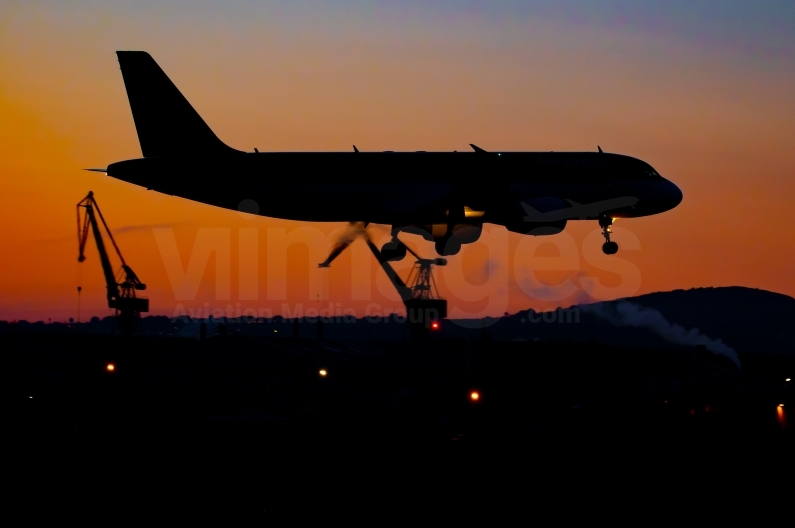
(703,91)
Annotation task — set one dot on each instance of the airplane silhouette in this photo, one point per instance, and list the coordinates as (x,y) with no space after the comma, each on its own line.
(444,196)
(591,211)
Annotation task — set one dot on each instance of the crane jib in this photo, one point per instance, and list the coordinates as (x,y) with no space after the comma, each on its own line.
(121,295)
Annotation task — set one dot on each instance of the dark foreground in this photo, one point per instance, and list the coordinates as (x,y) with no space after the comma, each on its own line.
(240,427)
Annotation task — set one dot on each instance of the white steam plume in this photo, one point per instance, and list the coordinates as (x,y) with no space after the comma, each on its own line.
(630,314)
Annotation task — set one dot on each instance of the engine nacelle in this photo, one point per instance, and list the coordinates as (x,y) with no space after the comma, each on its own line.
(462,233)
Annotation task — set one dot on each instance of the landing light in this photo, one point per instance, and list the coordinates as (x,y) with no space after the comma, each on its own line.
(322,373)
(788,380)
(110,367)
(471,213)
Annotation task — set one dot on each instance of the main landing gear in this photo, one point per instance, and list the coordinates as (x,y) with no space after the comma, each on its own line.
(393,250)
(396,250)
(448,245)
(609,248)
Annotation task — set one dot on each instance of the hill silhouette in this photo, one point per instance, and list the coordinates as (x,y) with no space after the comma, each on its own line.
(745,319)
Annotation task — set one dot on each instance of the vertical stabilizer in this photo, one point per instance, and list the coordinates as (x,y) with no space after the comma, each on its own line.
(166,122)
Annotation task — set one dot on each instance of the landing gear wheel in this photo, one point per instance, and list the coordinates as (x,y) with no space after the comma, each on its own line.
(609,248)
(448,246)
(393,250)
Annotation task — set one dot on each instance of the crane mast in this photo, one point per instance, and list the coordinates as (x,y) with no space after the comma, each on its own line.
(424,306)
(421,298)
(121,295)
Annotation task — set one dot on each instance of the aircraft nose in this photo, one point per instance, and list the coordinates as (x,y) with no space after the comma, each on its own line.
(666,196)
(673,194)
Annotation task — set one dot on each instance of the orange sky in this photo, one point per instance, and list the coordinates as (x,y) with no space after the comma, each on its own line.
(715,116)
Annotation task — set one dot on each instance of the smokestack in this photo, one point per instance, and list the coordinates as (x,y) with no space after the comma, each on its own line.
(348,235)
(336,250)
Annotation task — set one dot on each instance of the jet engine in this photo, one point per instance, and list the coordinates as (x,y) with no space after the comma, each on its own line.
(448,239)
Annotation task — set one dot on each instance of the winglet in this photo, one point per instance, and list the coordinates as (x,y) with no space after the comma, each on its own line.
(355,149)
(600,149)
(97,170)
(476,148)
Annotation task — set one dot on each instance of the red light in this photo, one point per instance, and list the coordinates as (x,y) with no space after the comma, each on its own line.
(435,325)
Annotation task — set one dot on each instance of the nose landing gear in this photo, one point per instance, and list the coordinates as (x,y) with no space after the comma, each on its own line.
(609,248)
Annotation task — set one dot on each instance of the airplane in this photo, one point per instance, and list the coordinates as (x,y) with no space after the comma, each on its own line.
(578,211)
(446,197)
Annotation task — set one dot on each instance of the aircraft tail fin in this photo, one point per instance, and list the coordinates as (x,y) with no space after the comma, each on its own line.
(166,122)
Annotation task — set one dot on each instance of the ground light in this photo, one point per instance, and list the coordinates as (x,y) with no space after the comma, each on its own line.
(474,396)
(782,417)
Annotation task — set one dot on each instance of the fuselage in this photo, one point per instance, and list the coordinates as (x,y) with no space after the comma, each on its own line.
(411,188)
